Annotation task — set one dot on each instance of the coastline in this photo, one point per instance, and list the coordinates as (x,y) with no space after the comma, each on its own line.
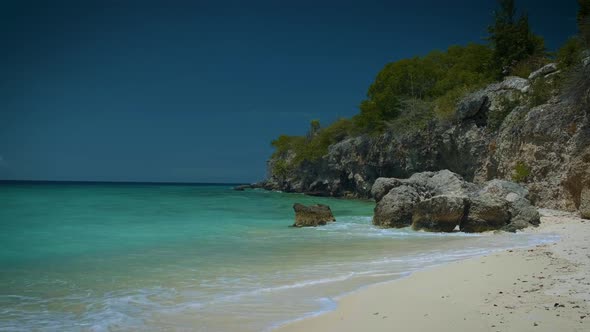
(543,288)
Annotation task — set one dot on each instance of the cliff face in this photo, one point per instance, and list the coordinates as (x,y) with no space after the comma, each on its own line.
(496,134)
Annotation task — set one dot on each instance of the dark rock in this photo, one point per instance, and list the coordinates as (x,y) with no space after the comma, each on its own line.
(313,215)
(585,202)
(242,187)
(395,209)
(473,105)
(439,214)
(486,213)
(522,213)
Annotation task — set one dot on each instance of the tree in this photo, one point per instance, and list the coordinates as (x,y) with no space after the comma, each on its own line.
(314,128)
(512,39)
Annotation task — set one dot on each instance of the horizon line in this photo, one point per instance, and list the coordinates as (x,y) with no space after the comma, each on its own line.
(120,182)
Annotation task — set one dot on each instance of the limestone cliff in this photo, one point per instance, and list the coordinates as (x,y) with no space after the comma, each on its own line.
(497,133)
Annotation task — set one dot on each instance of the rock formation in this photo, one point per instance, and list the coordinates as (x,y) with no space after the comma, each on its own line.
(497,134)
(313,215)
(441,201)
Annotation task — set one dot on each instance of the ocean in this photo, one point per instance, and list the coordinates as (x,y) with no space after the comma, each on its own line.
(164,257)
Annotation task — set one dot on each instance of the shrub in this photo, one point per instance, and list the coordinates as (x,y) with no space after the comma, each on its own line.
(416,116)
(570,54)
(541,91)
(521,172)
(280,168)
(526,66)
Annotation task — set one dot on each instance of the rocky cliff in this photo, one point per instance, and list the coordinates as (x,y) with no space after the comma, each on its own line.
(500,132)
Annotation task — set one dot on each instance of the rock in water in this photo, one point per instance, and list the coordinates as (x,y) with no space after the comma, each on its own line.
(486,213)
(313,215)
(439,214)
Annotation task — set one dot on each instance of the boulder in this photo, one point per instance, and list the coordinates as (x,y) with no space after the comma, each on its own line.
(522,213)
(395,209)
(313,215)
(382,186)
(585,202)
(511,83)
(486,213)
(439,214)
(446,182)
(543,71)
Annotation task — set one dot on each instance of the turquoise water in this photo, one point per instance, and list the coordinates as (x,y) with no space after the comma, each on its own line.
(119,257)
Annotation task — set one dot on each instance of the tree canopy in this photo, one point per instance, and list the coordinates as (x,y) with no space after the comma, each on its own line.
(512,40)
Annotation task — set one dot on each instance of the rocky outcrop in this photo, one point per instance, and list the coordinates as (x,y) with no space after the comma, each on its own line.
(313,215)
(441,201)
(497,134)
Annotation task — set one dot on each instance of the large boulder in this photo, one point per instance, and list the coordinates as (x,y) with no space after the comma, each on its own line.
(486,213)
(585,202)
(395,209)
(313,215)
(439,214)
(382,186)
(522,213)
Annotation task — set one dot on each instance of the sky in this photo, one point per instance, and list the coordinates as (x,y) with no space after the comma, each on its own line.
(195,91)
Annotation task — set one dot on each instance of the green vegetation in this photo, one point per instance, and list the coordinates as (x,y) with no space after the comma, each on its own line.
(517,50)
(310,147)
(410,94)
(441,77)
(521,172)
(542,90)
(570,53)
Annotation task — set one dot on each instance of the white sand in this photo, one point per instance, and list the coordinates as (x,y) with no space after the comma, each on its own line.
(545,288)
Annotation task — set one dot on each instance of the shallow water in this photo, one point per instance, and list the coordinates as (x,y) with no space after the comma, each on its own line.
(114,257)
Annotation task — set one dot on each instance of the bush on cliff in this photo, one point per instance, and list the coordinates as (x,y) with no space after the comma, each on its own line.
(310,147)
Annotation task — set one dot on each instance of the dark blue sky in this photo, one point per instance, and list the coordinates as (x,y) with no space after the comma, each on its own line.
(195,91)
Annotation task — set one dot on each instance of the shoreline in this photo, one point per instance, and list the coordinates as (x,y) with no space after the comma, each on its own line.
(540,288)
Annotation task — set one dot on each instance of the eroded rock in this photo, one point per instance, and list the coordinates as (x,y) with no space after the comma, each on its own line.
(440,201)
(439,214)
(486,213)
(396,208)
(313,215)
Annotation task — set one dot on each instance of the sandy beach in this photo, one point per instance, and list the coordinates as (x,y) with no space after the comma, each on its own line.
(544,288)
